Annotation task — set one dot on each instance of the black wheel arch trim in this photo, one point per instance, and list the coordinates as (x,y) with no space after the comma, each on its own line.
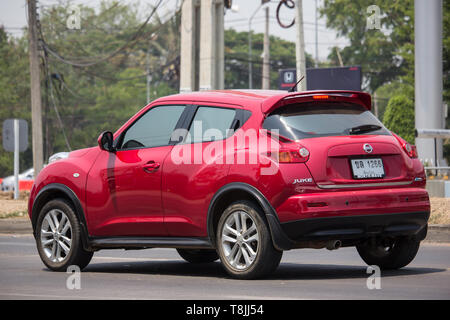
(75,201)
(279,237)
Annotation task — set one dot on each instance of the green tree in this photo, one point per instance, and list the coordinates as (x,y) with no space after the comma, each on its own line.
(385,54)
(94,98)
(104,95)
(391,89)
(399,117)
(14,94)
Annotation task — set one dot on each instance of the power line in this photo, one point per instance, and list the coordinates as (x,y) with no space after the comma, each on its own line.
(133,39)
(55,107)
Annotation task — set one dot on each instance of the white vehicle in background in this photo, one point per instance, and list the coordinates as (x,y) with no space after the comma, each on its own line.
(8,182)
(58,156)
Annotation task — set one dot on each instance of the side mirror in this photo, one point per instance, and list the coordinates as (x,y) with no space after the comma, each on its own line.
(105,141)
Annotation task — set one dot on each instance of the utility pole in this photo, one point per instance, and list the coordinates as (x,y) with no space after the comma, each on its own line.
(202,45)
(149,77)
(316,63)
(428,76)
(266,55)
(36,107)
(211,72)
(300,47)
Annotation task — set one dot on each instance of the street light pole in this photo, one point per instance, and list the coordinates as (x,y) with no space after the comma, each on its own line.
(250,67)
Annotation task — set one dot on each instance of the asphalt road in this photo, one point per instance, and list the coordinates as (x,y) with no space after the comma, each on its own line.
(162,274)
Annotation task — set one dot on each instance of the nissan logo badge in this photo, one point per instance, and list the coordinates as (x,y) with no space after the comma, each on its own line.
(368,148)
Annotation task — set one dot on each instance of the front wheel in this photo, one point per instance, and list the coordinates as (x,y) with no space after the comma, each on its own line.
(394,254)
(58,237)
(244,243)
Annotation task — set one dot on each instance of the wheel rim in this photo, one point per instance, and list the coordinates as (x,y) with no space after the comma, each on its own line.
(56,236)
(240,240)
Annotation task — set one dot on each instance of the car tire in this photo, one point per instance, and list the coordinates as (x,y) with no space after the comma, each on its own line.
(58,237)
(399,253)
(244,243)
(198,255)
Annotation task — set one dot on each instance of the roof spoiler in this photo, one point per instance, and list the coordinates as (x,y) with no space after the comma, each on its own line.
(362,98)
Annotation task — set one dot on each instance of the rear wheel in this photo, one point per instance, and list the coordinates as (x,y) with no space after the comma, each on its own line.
(394,254)
(244,243)
(198,255)
(58,237)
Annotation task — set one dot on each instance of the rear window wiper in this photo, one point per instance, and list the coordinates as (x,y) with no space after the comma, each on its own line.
(364,128)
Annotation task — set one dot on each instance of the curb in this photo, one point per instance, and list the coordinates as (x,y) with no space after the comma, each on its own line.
(16,226)
(436,232)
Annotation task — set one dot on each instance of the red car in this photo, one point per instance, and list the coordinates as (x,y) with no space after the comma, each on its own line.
(240,176)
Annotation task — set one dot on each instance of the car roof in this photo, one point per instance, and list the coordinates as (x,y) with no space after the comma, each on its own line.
(247,98)
(261,100)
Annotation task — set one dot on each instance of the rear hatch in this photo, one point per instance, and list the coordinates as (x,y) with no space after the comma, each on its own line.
(348,146)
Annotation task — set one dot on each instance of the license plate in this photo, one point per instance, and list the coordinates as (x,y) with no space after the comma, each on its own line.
(367,168)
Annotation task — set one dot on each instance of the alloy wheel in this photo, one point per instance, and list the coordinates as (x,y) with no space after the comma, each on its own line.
(240,240)
(56,235)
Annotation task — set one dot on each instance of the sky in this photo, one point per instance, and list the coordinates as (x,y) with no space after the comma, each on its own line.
(13,18)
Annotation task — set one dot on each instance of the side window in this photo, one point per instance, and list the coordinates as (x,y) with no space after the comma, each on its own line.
(210,124)
(153,129)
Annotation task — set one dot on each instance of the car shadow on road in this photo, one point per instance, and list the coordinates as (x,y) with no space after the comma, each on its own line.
(294,271)
(286,271)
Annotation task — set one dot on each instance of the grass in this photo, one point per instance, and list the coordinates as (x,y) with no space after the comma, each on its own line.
(440,211)
(14,214)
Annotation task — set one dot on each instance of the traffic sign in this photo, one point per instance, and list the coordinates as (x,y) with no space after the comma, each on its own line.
(339,78)
(8,135)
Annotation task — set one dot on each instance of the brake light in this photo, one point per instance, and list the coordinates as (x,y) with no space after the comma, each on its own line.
(320,97)
(410,149)
(291,154)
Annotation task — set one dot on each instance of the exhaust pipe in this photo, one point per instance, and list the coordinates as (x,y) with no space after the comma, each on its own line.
(334,244)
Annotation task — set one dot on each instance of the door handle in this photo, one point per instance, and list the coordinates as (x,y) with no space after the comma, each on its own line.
(151,166)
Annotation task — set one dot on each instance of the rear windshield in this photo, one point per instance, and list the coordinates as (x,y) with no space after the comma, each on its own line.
(310,120)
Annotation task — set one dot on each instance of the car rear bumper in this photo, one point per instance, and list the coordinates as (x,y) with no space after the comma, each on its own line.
(351,216)
(353,203)
(413,224)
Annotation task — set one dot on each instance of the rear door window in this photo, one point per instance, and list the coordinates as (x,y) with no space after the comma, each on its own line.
(210,124)
(310,120)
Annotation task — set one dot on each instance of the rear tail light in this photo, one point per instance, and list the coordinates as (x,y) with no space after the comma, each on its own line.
(291,153)
(410,149)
